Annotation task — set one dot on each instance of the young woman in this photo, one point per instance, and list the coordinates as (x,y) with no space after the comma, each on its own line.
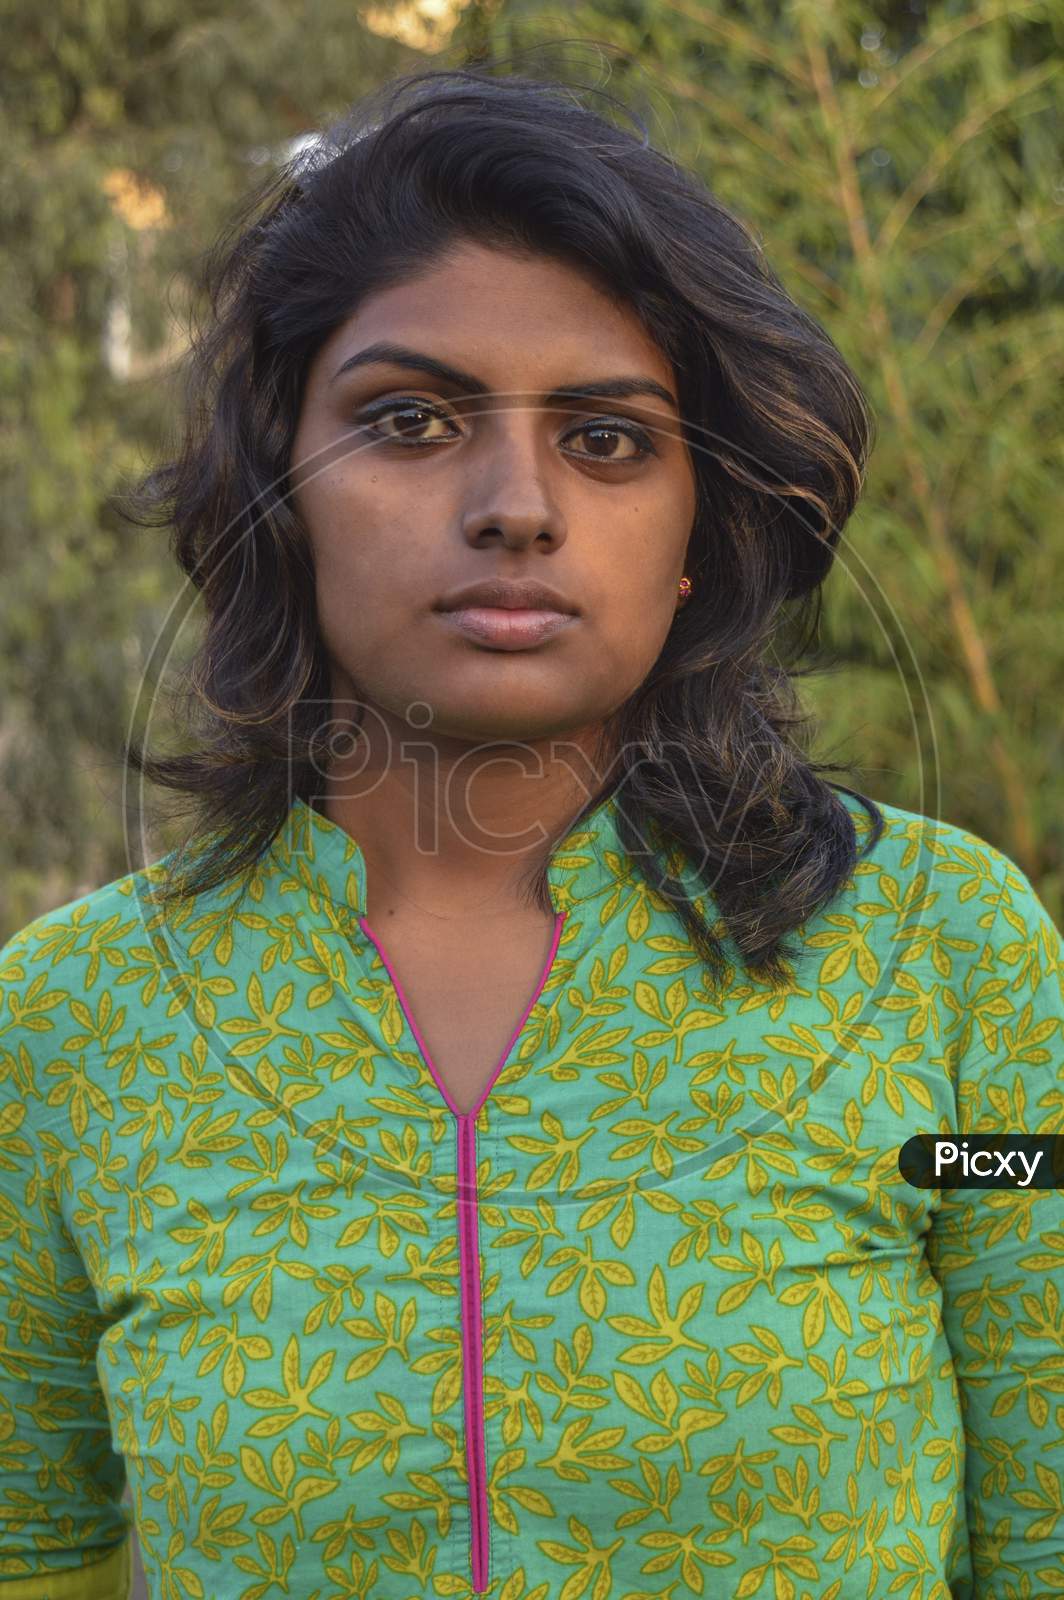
(470,1165)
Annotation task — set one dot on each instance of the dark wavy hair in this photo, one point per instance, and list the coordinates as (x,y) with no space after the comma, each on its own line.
(778,427)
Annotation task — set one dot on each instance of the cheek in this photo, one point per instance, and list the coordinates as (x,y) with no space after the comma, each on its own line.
(364,559)
(353,600)
(366,598)
(628,629)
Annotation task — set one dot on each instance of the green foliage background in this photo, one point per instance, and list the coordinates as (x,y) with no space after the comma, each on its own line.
(900,164)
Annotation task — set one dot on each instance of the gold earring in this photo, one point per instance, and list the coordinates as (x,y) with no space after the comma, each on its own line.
(685,588)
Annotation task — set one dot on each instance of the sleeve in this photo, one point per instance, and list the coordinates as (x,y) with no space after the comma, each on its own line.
(998,1255)
(64,1534)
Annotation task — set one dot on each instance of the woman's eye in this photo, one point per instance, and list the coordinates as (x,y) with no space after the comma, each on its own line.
(413,417)
(410,415)
(635,437)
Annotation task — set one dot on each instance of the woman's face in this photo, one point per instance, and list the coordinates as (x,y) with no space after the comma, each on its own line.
(593,497)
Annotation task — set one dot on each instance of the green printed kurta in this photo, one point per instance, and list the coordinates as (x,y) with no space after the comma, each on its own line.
(660,1316)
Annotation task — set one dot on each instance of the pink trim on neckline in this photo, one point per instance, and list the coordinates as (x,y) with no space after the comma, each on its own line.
(559,920)
(469,1260)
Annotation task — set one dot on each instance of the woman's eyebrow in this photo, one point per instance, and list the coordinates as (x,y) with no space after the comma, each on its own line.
(398,355)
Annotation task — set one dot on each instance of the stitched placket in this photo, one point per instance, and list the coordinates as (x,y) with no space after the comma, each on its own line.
(469,1264)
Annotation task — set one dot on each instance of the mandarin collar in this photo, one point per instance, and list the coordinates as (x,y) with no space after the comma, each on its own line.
(328,862)
(314,873)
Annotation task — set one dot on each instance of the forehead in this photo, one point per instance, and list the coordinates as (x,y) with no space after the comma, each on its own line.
(498,309)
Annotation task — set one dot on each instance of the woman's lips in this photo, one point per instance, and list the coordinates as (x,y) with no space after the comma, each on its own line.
(507,630)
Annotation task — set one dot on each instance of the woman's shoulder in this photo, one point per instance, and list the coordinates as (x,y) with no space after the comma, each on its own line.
(914,842)
(946,878)
(97,929)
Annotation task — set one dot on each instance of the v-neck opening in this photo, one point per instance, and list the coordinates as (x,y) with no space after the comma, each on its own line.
(426,1056)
